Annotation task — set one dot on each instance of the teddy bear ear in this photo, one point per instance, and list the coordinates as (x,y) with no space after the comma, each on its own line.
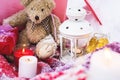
(25,2)
(50,4)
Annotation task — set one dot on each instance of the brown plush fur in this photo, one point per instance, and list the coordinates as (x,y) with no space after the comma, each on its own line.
(38,20)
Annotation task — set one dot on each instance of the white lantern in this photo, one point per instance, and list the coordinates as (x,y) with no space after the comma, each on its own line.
(75,31)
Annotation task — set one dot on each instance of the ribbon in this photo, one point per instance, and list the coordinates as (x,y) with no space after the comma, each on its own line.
(55,30)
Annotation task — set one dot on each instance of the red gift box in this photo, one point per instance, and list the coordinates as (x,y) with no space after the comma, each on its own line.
(8,38)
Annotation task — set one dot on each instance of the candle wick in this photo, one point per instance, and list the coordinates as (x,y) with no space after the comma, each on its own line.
(28,59)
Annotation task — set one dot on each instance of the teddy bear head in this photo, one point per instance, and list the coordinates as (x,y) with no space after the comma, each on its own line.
(38,10)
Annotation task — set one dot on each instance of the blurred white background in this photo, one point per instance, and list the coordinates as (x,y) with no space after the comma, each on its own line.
(108,11)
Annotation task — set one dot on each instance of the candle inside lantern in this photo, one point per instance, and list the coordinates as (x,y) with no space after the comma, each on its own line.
(27,66)
(104,65)
(21,52)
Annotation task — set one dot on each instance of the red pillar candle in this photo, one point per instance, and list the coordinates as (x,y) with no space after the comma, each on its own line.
(21,52)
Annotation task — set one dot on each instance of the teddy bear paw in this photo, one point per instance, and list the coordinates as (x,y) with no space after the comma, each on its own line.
(46,50)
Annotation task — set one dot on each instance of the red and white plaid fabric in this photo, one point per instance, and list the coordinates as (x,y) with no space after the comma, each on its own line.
(6,70)
(75,73)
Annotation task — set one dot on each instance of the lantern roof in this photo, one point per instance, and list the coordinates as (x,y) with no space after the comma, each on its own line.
(75,28)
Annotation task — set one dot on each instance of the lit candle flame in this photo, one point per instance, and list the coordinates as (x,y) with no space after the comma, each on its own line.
(23,50)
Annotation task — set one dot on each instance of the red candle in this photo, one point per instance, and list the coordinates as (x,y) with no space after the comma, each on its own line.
(21,52)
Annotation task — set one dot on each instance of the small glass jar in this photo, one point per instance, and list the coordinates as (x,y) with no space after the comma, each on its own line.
(98,41)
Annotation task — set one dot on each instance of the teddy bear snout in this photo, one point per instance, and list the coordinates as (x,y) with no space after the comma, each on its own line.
(36,17)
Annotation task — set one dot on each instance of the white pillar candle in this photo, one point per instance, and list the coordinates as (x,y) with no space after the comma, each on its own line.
(104,65)
(27,66)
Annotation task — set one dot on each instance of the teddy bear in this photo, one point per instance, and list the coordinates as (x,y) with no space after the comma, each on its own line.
(41,26)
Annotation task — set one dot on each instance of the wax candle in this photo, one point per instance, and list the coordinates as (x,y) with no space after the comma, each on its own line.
(21,52)
(27,66)
(104,65)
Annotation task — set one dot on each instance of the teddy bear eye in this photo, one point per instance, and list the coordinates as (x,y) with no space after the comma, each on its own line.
(42,9)
(31,8)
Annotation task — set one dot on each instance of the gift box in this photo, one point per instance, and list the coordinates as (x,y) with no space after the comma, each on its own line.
(8,38)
